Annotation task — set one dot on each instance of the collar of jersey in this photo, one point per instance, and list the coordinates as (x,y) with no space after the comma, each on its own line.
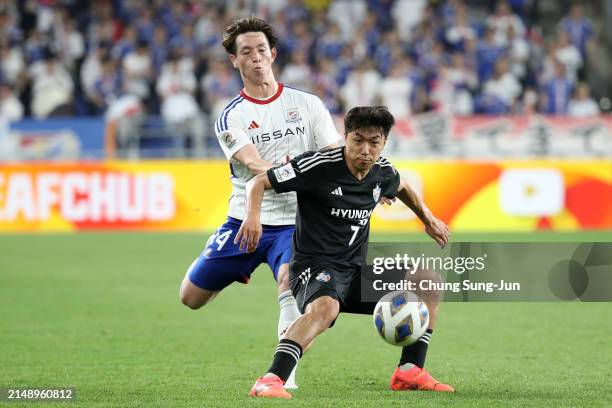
(263,101)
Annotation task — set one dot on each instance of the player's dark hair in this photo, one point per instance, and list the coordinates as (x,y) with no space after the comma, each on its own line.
(247,25)
(369,117)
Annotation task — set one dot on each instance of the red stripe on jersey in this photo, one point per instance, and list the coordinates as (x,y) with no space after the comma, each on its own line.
(263,101)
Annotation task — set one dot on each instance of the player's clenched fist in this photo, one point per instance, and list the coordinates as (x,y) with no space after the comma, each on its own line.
(438,230)
(249,234)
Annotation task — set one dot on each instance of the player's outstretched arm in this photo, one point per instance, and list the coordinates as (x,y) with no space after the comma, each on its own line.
(435,228)
(249,156)
(250,231)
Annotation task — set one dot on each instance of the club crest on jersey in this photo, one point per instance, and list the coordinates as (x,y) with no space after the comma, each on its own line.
(293,115)
(323,277)
(228,139)
(376,193)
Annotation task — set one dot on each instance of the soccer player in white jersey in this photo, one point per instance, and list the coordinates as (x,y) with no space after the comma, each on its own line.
(267,124)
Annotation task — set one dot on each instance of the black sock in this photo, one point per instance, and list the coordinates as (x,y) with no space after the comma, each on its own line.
(287,355)
(417,351)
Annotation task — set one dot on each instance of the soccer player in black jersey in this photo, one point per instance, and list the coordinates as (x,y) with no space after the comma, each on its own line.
(337,190)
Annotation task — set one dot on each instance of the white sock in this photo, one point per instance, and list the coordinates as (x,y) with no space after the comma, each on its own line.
(288,314)
(288,311)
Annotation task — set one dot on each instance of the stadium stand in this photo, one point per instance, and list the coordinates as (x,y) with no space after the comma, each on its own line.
(160,65)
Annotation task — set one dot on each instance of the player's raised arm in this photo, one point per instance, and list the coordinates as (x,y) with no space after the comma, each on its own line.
(435,228)
(250,231)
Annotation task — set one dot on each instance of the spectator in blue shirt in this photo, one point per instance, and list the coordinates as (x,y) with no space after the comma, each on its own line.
(35,46)
(388,52)
(460,31)
(295,11)
(126,44)
(557,92)
(145,24)
(299,39)
(159,48)
(9,29)
(187,42)
(578,27)
(372,33)
(108,86)
(487,54)
(331,43)
(382,10)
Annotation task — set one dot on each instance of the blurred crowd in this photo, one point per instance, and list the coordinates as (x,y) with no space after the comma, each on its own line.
(162,57)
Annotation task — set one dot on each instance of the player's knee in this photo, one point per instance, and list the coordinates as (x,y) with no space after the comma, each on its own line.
(191,301)
(194,297)
(435,277)
(326,310)
(434,280)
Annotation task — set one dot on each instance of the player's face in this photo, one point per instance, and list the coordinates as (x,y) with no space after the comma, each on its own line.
(363,147)
(253,57)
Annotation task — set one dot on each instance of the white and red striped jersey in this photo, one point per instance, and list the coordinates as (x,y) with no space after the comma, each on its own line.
(287,124)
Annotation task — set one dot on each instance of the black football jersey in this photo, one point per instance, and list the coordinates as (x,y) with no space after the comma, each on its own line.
(334,208)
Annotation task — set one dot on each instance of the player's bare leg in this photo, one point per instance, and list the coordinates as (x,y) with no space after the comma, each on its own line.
(410,374)
(318,317)
(432,298)
(192,296)
(289,312)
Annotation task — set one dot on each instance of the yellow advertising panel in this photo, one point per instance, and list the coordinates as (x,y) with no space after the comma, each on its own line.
(165,196)
(193,196)
(508,195)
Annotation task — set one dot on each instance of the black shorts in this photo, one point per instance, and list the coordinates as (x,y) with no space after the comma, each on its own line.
(310,281)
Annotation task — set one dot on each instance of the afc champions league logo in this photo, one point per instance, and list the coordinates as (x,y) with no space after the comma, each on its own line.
(228,139)
(376,193)
(285,173)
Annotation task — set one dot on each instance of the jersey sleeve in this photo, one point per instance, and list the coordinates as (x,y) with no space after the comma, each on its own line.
(391,182)
(324,131)
(292,177)
(232,138)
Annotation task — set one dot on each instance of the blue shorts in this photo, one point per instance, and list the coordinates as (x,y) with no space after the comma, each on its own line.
(223,263)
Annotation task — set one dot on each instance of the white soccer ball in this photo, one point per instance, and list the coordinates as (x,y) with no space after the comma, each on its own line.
(401,317)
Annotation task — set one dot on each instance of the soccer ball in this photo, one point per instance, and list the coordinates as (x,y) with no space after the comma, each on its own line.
(401,317)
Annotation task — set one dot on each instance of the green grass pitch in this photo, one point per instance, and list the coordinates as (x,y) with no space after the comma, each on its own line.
(100,312)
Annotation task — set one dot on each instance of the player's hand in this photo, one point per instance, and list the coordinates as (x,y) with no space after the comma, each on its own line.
(386,201)
(438,231)
(248,235)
